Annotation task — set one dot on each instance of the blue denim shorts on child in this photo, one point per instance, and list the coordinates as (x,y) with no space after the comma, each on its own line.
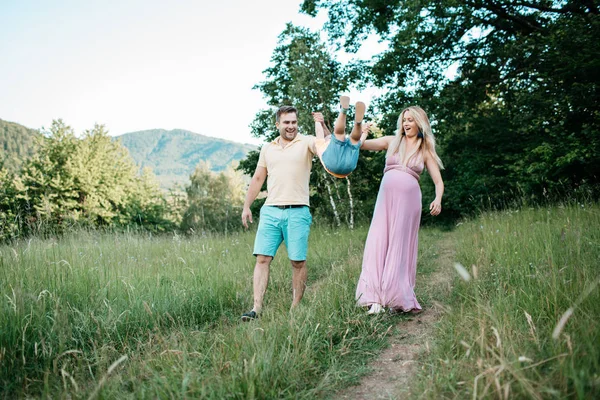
(341,157)
(291,225)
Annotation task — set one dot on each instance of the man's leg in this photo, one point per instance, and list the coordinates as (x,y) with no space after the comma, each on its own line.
(299,276)
(261,280)
(268,238)
(296,239)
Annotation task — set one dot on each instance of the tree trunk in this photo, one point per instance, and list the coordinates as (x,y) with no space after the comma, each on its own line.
(336,216)
(350,204)
(339,198)
(202,215)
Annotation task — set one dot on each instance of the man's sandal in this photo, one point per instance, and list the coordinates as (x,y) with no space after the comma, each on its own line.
(249,316)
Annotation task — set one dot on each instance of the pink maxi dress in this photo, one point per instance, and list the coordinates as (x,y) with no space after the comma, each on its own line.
(390,257)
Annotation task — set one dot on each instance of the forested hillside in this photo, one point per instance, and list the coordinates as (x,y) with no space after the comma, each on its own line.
(174,154)
(17,143)
(91,180)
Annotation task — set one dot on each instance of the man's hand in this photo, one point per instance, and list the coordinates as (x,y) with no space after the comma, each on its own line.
(318,117)
(246,216)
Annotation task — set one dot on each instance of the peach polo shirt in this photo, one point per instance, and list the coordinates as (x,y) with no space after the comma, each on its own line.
(288,170)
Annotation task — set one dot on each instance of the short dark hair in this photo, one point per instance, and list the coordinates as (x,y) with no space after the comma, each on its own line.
(285,110)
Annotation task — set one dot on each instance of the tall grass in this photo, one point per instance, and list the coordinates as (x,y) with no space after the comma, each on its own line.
(127,315)
(136,316)
(525,322)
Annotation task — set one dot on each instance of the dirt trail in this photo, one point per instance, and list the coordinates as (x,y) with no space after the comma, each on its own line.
(394,369)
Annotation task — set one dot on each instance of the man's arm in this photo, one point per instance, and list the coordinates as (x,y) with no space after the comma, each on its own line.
(253,190)
(321,130)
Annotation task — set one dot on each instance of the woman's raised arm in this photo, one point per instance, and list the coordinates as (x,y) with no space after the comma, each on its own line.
(378,144)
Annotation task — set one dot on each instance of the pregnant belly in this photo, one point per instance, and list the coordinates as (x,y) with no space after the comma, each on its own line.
(401,183)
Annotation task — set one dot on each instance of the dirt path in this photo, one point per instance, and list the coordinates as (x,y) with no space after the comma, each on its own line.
(394,369)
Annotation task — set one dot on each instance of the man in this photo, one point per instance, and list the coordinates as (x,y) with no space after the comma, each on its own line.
(285,163)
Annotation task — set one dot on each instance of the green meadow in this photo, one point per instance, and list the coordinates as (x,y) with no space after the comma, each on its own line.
(131,315)
(525,321)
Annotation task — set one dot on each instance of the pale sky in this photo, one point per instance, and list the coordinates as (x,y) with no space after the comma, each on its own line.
(133,65)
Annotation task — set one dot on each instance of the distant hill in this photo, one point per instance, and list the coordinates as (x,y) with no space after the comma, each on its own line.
(17,144)
(174,154)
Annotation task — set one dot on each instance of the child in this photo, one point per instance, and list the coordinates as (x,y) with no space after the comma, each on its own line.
(338,153)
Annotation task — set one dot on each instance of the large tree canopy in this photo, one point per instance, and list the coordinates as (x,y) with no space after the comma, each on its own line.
(512,87)
(303,73)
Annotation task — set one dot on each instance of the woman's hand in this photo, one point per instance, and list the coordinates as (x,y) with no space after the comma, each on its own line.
(366,127)
(435,208)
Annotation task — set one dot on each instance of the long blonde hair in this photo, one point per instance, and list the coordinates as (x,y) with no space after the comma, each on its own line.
(398,145)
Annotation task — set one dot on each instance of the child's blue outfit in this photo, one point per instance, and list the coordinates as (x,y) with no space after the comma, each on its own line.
(338,157)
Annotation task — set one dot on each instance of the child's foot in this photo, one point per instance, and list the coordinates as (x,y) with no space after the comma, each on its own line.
(345,104)
(359,112)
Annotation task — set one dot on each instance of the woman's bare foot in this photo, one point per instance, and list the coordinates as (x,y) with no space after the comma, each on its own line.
(376,308)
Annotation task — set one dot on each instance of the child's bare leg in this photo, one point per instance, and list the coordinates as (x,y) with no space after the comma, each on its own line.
(319,125)
(339,129)
(319,132)
(359,114)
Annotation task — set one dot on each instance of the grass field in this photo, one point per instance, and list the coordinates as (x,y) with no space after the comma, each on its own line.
(500,337)
(127,315)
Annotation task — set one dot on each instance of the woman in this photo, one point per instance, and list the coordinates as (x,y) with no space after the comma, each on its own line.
(389,265)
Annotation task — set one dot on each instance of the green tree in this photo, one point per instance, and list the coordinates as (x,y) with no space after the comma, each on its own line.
(105,177)
(520,115)
(214,200)
(90,180)
(305,74)
(146,205)
(49,185)
(12,222)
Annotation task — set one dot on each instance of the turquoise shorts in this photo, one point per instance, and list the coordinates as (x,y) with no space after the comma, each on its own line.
(341,157)
(291,225)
